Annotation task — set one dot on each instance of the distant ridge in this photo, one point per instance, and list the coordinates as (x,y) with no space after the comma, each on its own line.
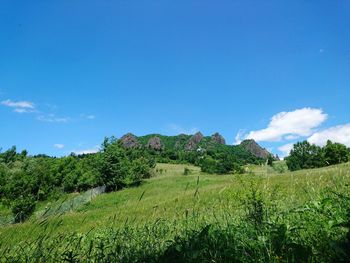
(183,142)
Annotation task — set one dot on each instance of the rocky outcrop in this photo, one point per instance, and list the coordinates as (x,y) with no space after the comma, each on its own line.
(255,149)
(194,141)
(217,138)
(155,143)
(130,141)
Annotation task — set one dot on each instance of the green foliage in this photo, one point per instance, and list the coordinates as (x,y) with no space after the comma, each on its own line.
(270,160)
(335,153)
(37,177)
(220,164)
(305,155)
(175,152)
(9,156)
(187,171)
(121,168)
(22,208)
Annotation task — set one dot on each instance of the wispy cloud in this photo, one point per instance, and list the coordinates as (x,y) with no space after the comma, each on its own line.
(288,125)
(20,106)
(58,146)
(53,118)
(88,116)
(340,133)
(178,129)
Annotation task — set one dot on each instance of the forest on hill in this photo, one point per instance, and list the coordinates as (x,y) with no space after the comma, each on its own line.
(125,162)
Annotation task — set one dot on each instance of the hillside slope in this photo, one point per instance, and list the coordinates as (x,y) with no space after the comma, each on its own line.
(170,194)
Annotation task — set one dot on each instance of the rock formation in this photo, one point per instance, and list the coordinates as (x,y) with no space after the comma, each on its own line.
(255,149)
(194,141)
(130,141)
(217,137)
(155,143)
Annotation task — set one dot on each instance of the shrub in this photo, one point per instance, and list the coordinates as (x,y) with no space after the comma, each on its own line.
(187,171)
(23,208)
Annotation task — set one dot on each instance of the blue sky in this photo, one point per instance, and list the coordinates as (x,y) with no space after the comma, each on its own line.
(73,72)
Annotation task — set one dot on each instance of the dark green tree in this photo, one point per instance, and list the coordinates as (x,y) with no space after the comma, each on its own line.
(335,153)
(305,155)
(121,167)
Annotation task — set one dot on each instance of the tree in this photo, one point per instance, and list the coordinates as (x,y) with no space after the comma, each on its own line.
(335,153)
(305,155)
(121,167)
(3,174)
(10,155)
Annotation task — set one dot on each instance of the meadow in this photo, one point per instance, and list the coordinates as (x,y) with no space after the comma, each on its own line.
(264,215)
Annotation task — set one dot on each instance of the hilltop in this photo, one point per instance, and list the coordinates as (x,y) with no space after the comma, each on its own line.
(247,150)
(254,148)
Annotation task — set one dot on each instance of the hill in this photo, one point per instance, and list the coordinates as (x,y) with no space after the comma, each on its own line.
(199,214)
(247,152)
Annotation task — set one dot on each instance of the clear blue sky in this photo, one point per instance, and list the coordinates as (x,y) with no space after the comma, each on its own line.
(72,72)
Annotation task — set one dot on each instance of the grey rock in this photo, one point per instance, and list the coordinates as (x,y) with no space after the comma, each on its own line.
(217,137)
(155,143)
(194,141)
(130,141)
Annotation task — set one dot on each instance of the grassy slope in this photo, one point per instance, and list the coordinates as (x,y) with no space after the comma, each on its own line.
(170,194)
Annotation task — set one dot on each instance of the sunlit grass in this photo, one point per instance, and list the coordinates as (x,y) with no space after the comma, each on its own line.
(170,195)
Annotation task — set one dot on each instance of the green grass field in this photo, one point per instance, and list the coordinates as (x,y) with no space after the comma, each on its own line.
(178,199)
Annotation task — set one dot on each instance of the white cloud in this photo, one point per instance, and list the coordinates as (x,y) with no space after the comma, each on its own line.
(21,110)
(340,133)
(285,149)
(53,118)
(19,106)
(88,151)
(288,125)
(58,146)
(88,117)
(177,129)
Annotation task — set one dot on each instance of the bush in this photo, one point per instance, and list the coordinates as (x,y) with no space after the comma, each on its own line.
(23,208)
(187,171)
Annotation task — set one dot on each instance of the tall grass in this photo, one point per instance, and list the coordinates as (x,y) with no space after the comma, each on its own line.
(307,220)
(314,232)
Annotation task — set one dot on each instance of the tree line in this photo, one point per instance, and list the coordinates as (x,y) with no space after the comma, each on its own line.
(25,180)
(305,155)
